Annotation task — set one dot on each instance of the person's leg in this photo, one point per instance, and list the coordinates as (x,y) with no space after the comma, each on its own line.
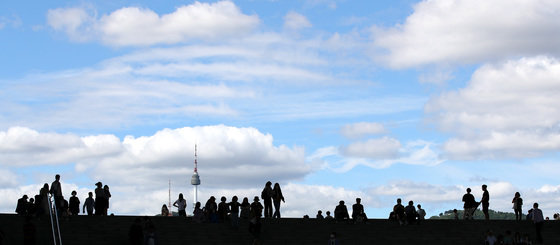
(276,209)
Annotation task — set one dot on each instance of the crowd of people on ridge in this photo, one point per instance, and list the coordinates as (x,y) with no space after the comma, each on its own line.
(39,205)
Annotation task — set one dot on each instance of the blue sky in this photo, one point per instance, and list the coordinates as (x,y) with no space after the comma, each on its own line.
(332,99)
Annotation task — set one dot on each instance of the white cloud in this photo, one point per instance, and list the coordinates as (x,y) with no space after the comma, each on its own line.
(380,148)
(133,26)
(506,110)
(357,130)
(344,158)
(468,31)
(295,21)
(13,21)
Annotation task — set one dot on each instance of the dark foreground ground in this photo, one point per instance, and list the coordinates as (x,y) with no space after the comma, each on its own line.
(85,230)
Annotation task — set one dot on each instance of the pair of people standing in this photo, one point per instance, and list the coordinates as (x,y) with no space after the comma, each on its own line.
(471,205)
(270,195)
(102,195)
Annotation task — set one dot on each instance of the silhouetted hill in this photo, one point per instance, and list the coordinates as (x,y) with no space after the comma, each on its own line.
(497,215)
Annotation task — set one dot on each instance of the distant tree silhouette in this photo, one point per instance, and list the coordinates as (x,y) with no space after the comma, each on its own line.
(478,215)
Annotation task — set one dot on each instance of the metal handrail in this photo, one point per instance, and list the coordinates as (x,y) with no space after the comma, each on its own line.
(49,198)
(52,206)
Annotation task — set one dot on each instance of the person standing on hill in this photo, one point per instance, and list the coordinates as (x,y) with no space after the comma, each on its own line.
(89,204)
(276,198)
(56,190)
(266,195)
(469,206)
(358,214)
(517,204)
(538,220)
(74,206)
(181,205)
(485,201)
(100,199)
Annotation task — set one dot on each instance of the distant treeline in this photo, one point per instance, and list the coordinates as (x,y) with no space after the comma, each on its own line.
(478,215)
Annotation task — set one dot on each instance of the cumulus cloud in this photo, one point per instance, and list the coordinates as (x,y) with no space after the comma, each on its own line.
(134,26)
(373,148)
(357,130)
(509,110)
(295,21)
(376,153)
(466,31)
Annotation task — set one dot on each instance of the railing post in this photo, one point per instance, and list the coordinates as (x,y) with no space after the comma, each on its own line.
(57,223)
(50,202)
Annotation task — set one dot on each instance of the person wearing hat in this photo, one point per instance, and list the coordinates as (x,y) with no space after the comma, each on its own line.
(100,199)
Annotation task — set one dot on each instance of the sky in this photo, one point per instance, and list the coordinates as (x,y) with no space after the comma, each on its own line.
(332,99)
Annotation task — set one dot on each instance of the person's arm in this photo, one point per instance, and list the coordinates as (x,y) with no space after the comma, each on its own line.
(175,204)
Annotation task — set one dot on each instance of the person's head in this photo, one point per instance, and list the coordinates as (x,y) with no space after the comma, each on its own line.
(212,199)
(535,205)
(57,177)
(234,199)
(24,197)
(484,187)
(328,213)
(468,190)
(106,187)
(180,196)
(276,186)
(411,203)
(399,200)
(31,200)
(223,199)
(98,184)
(164,207)
(419,206)
(256,199)
(90,194)
(455,210)
(74,193)
(319,212)
(245,200)
(197,205)
(517,194)
(341,202)
(46,186)
(268,184)
(358,200)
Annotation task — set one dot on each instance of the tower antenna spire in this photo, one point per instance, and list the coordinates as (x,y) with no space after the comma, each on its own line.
(195,179)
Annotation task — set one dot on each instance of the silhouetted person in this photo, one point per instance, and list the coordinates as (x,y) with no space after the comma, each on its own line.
(74,205)
(56,189)
(223,209)
(266,195)
(43,205)
(164,211)
(31,207)
(198,214)
(485,201)
(255,220)
(89,204)
(150,235)
(398,212)
(517,206)
(469,205)
(358,214)
(410,212)
(29,232)
(136,233)
(332,239)
(211,209)
(421,213)
(329,217)
(319,215)
(107,197)
(455,214)
(538,220)
(63,207)
(234,210)
(245,209)
(181,205)
(341,212)
(100,199)
(276,198)
(21,207)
